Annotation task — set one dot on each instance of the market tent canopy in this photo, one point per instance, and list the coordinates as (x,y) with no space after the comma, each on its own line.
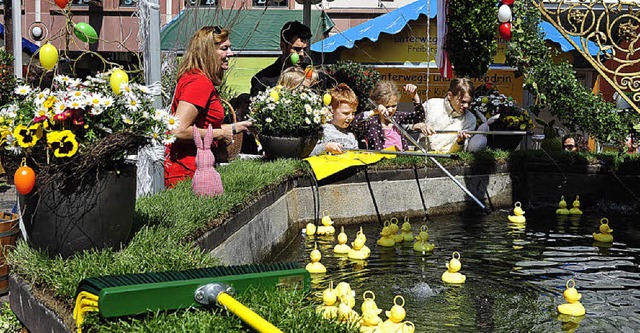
(252,31)
(393,22)
(27,46)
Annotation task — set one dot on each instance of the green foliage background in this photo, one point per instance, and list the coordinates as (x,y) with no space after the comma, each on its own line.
(554,84)
(360,78)
(7,79)
(471,42)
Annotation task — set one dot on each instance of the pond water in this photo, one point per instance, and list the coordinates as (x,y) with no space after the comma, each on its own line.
(515,274)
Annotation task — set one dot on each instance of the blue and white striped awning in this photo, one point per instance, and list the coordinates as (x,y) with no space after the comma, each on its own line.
(394,21)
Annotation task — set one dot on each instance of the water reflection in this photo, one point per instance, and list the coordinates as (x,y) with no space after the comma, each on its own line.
(516,273)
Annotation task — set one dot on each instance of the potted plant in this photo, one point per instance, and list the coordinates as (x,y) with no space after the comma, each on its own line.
(489,102)
(75,137)
(289,122)
(360,78)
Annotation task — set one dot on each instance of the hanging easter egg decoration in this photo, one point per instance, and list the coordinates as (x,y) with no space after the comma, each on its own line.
(504,13)
(507,2)
(326,99)
(48,56)
(118,76)
(85,32)
(24,178)
(308,72)
(505,30)
(295,58)
(62,3)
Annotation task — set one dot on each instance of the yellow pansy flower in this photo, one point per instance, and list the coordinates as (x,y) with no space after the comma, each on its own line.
(27,137)
(63,143)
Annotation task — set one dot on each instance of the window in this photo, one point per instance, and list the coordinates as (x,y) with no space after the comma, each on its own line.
(203,2)
(270,3)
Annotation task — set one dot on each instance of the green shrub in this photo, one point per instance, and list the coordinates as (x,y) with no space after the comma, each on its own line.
(360,78)
(7,79)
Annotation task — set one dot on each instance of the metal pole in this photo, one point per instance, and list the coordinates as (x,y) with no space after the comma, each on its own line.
(485,132)
(424,150)
(17,38)
(306,13)
(154,68)
(404,153)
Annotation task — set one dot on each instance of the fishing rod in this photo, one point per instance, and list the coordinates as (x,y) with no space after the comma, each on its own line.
(486,132)
(424,150)
(404,153)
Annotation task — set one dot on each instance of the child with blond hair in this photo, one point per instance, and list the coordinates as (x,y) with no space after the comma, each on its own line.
(336,138)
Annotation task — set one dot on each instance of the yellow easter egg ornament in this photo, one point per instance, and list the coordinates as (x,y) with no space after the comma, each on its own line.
(326,99)
(118,77)
(48,56)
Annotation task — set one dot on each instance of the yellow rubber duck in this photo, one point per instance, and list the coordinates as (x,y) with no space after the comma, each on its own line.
(562,210)
(310,229)
(344,288)
(386,239)
(359,251)
(576,207)
(345,309)
(519,214)
(342,247)
(370,319)
(394,230)
(572,296)
(421,244)
(327,225)
(328,309)
(451,275)
(605,235)
(315,266)
(407,233)
(408,327)
(395,317)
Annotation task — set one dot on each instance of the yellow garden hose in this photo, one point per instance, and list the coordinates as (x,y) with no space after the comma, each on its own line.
(247,315)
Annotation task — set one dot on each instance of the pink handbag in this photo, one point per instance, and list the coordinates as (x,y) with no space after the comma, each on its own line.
(206,180)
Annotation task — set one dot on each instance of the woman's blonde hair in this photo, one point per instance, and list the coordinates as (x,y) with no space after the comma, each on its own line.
(342,94)
(383,91)
(200,53)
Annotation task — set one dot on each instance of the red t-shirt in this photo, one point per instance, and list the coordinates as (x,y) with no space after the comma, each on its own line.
(195,88)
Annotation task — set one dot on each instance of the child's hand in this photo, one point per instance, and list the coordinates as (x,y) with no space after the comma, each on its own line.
(333,148)
(413,91)
(425,129)
(381,109)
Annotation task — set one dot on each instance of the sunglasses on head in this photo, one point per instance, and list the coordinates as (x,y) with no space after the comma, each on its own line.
(216,29)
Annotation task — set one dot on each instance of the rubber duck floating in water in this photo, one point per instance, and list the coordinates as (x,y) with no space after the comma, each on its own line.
(605,232)
(359,251)
(370,319)
(387,238)
(328,309)
(396,316)
(562,210)
(519,214)
(407,233)
(451,275)
(345,309)
(315,266)
(327,225)
(408,327)
(573,307)
(394,230)
(342,247)
(310,229)
(421,244)
(576,207)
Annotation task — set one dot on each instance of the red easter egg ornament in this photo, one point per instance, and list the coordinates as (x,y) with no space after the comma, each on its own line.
(508,2)
(24,179)
(505,30)
(62,3)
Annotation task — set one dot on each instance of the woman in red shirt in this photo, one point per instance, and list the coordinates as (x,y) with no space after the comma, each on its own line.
(196,102)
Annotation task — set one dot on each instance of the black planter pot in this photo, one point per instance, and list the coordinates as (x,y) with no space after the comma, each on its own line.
(504,142)
(63,221)
(281,147)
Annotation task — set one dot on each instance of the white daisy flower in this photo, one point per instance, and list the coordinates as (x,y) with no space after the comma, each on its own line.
(95,100)
(22,90)
(308,109)
(132,104)
(62,79)
(268,120)
(76,103)
(127,120)
(317,119)
(40,112)
(12,145)
(73,83)
(107,102)
(169,139)
(171,122)
(160,114)
(307,120)
(59,107)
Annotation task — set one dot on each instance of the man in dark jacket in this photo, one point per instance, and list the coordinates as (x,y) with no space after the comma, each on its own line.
(294,38)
